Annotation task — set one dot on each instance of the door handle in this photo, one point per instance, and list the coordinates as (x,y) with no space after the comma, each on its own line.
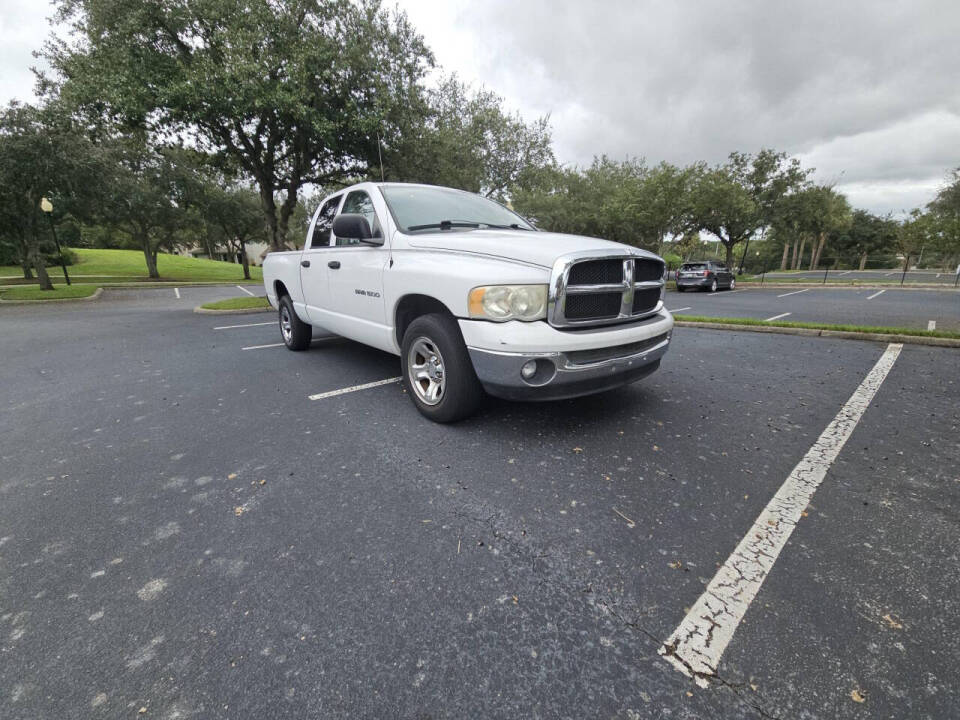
(334,264)
(305,263)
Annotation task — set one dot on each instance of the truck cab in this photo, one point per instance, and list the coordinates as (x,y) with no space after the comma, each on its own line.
(471,296)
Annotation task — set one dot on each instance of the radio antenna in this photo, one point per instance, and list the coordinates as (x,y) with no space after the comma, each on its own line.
(380,155)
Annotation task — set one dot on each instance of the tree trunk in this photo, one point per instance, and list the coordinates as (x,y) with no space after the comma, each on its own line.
(36,259)
(815,248)
(786,256)
(25,258)
(798,259)
(244,260)
(823,244)
(863,260)
(269,207)
(149,255)
(729,261)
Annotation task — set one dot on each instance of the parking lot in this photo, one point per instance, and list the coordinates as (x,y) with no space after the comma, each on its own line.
(854,306)
(938,277)
(195,522)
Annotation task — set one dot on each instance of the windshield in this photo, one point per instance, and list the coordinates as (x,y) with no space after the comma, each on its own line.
(435,208)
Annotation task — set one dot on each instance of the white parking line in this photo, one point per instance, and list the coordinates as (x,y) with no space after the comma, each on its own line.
(891,273)
(931,325)
(246,291)
(777,317)
(871,297)
(696,646)
(354,388)
(230,327)
(176,291)
(261,347)
(678,309)
(795,292)
(847,272)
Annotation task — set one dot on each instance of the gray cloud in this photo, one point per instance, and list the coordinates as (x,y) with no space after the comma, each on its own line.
(867,89)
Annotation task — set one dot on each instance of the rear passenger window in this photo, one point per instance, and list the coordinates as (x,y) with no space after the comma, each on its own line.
(321,230)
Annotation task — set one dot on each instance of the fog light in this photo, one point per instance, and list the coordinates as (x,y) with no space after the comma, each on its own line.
(529,369)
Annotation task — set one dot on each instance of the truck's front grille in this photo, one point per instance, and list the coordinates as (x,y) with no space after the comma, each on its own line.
(602,290)
(594,306)
(597,272)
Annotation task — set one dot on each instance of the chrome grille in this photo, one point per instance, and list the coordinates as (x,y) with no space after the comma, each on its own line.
(590,289)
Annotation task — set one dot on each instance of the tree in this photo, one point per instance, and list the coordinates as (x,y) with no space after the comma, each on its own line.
(916,231)
(725,207)
(946,213)
(826,211)
(867,234)
(141,192)
(41,154)
(293,92)
(234,212)
(467,140)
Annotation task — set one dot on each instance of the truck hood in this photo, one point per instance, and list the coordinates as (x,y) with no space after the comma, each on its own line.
(533,248)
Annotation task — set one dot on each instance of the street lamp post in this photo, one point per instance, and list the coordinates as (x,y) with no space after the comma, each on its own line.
(47,208)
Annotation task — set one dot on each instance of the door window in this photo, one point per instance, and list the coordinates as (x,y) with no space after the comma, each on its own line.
(359,203)
(321,230)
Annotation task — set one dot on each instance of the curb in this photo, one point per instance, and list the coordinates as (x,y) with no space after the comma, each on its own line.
(96,294)
(842,334)
(231,311)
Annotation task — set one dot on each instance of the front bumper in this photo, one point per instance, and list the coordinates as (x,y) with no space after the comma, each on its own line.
(578,366)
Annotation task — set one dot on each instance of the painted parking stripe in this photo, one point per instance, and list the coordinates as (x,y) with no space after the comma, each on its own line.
(261,347)
(777,317)
(795,292)
(696,646)
(847,272)
(231,327)
(871,297)
(891,273)
(931,325)
(354,388)
(246,291)
(678,309)
(176,291)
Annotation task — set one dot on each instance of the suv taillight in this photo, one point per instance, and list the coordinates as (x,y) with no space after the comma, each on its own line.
(706,273)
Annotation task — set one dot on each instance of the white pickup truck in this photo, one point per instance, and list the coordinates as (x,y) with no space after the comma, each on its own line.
(471,297)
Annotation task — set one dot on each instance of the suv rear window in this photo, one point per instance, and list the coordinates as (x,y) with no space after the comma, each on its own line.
(693,266)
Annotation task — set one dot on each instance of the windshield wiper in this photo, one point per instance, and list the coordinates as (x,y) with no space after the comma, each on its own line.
(444,225)
(448,224)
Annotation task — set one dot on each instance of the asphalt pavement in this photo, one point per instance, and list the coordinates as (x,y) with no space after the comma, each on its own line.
(939,277)
(891,307)
(185,533)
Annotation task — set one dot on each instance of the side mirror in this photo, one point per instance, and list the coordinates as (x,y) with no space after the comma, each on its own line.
(355,227)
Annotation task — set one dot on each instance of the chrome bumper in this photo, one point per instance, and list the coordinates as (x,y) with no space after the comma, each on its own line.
(566,374)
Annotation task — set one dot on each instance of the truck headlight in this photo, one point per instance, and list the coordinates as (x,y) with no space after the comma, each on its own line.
(508,302)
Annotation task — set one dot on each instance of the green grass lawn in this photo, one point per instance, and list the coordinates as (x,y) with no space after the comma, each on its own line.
(822,326)
(238,303)
(105,266)
(60,292)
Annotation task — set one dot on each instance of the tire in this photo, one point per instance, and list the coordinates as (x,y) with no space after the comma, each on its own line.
(437,371)
(679,289)
(733,284)
(713,286)
(295,332)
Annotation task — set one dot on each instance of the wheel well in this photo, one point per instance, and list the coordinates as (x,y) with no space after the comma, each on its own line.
(411,307)
(280,290)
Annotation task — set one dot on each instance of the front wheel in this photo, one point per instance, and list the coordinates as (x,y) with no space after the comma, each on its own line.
(713,286)
(733,283)
(679,289)
(437,371)
(296,333)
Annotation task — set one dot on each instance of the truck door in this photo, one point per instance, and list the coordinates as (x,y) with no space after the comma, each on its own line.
(313,263)
(355,275)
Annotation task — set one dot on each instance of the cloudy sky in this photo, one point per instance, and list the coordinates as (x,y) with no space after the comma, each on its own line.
(867,92)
